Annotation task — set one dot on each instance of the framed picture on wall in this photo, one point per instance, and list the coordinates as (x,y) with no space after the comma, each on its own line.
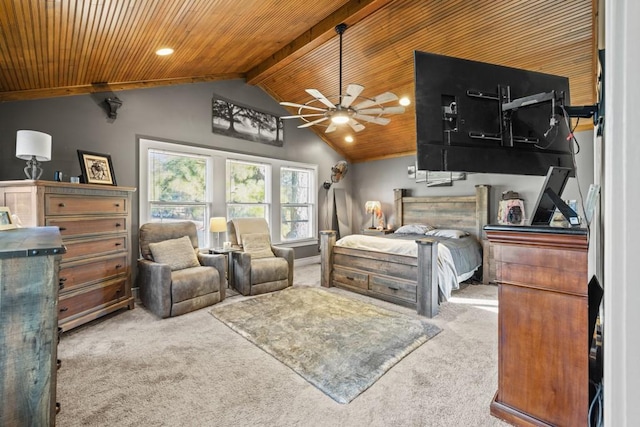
(96,168)
(239,121)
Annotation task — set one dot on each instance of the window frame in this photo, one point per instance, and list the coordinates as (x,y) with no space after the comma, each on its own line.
(310,203)
(216,192)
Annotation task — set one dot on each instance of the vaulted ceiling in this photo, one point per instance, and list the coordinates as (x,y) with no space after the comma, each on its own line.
(51,48)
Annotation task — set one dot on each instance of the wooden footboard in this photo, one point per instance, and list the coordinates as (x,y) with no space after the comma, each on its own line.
(400,279)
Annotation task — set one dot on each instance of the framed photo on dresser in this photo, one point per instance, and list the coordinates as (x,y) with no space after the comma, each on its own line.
(96,168)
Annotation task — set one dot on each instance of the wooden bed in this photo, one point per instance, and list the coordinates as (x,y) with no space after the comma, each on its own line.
(401,279)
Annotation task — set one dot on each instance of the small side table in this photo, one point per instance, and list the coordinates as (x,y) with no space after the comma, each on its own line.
(376,232)
(226,253)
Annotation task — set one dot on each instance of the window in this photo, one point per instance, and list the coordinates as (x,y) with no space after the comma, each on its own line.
(296,204)
(248,189)
(178,189)
(184,182)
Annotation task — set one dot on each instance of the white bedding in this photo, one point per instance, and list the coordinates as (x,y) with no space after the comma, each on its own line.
(448,278)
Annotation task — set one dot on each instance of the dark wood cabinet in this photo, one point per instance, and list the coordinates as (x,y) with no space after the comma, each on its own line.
(29,264)
(543,357)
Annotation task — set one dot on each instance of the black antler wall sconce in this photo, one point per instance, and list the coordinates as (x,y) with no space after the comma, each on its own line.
(112,105)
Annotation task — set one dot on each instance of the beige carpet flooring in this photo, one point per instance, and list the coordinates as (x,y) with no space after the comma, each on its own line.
(134,369)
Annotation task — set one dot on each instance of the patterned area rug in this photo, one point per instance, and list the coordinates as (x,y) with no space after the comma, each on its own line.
(338,344)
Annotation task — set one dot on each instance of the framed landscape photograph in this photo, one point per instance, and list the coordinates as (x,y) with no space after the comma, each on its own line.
(96,168)
(6,222)
(238,121)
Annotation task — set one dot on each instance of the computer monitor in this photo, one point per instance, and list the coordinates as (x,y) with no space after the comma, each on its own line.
(549,198)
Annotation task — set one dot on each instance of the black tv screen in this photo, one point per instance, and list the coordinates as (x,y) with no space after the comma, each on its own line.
(460,110)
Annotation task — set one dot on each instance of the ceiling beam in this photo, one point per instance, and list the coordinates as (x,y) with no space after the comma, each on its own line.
(352,12)
(105,86)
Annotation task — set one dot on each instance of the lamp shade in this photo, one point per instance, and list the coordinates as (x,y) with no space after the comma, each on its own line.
(31,143)
(373,206)
(217,224)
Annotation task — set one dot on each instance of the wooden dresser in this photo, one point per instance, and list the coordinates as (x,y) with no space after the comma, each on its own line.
(29,263)
(95,222)
(543,356)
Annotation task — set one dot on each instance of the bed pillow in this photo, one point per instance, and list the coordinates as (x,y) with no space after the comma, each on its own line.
(413,229)
(177,253)
(258,245)
(441,232)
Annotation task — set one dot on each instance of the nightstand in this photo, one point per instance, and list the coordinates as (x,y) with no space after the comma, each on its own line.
(226,253)
(376,232)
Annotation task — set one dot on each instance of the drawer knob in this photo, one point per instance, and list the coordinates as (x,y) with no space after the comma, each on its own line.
(118,224)
(62,279)
(118,265)
(61,204)
(117,205)
(350,278)
(118,244)
(393,288)
(62,228)
(63,309)
(60,286)
(58,363)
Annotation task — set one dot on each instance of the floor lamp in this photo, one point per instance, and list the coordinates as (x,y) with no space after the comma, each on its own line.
(217,225)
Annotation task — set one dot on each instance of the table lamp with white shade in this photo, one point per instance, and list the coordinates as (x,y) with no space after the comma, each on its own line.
(217,224)
(34,147)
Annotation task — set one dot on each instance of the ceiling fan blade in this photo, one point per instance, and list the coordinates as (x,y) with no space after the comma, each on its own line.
(380,99)
(332,126)
(353,91)
(306,125)
(372,119)
(382,110)
(293,104)
(357,127)
(299,116)
(320,97)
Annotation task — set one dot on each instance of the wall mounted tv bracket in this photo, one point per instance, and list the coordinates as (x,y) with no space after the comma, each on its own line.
(508,106)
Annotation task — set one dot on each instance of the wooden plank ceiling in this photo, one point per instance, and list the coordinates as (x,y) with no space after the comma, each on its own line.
(52,48)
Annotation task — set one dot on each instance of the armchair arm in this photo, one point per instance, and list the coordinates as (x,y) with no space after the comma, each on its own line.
(217,262)
(154,282)
(288,254)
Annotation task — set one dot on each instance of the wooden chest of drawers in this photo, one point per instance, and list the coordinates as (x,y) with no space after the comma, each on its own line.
(94,221)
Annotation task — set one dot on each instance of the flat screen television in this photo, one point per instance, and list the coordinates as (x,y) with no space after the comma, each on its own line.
(479,117)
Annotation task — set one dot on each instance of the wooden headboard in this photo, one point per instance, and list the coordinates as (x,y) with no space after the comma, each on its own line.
(467,213)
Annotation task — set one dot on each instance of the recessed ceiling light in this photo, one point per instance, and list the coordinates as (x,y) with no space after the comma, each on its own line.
(404,101)
(164,51)
(348,138)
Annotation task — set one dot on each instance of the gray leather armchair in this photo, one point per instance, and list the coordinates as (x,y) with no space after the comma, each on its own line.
(173,276)
(258,267)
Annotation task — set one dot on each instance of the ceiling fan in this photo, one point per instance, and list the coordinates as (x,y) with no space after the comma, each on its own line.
(367,109)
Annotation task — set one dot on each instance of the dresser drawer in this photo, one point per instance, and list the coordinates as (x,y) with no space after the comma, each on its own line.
(78,273)
(86,226)
(351,278)
(94,247)
(61,204)
(390,286)
(91,298)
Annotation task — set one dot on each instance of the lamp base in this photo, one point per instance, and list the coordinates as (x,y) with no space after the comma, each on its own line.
(33,169)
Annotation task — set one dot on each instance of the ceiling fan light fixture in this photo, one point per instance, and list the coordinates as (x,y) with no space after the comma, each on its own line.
(348,138)
(404,101)
(340,117)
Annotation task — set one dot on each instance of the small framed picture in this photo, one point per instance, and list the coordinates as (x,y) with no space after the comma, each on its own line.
(6,222)
(96,168)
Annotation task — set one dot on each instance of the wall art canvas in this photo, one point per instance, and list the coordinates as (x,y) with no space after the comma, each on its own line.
(237,121)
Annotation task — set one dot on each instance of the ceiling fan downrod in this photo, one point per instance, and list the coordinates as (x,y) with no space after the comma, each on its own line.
(340,29)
